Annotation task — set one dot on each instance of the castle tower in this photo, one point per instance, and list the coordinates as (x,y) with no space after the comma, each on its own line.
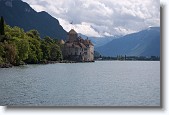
(72,35)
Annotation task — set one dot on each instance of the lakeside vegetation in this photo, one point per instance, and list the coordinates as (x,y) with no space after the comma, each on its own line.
(99,57)
(18,47)
(128,58)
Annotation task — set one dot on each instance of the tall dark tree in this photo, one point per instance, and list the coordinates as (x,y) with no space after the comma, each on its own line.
(2,32)
(55,53)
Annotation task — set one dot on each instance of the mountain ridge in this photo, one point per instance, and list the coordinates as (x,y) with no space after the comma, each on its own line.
(99,41)
(143,43)
(19,13)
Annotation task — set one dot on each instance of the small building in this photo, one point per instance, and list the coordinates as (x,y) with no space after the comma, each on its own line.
(77,49)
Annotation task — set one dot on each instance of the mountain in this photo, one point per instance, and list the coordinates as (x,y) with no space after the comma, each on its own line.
(143,43)
(99,41)
(19,13)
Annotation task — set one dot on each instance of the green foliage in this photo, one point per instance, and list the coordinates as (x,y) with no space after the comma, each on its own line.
(33,34)
(2,53)
(23,49)
(18,47)
(45,50)
(32,56)
(56,54)
(10,53)
(35,52)
(17,32)
(48,40)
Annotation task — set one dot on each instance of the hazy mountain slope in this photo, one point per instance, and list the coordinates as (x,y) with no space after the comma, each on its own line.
(143,43)
(99,41)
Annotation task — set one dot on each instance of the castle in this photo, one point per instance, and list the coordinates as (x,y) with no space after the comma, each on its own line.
(77,49)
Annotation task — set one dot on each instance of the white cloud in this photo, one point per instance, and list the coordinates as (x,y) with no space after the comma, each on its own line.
(38,8)
(102,17)
(122,30)
(84,28)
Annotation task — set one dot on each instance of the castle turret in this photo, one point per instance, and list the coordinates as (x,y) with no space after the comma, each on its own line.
(72,35)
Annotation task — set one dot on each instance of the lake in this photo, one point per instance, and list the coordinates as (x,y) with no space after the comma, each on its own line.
(102,83)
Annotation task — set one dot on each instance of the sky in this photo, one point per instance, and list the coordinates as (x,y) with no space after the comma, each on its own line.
(98,18)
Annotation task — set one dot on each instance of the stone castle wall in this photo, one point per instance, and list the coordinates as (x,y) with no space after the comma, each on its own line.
(76,49)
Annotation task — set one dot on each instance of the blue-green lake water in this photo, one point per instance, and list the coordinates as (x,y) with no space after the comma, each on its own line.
(103,83)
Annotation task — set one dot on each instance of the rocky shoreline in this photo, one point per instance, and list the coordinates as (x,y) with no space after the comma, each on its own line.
(64,61)
(8,65)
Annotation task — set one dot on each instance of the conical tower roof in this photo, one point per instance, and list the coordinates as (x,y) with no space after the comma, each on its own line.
(72,31)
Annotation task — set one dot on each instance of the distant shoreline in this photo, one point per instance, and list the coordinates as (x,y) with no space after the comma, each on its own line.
(7,65)
(127,60)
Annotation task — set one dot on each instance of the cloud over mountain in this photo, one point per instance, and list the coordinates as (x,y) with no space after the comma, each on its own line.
(102,17)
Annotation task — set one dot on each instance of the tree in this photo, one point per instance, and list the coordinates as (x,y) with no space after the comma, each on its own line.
(10,53)
(35,52)
(45,50)
(2,31)
(33,34)
(48,40)
(2,53)
(32,56)
(51,50)
(56,54)
(22,50)
(17,32)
